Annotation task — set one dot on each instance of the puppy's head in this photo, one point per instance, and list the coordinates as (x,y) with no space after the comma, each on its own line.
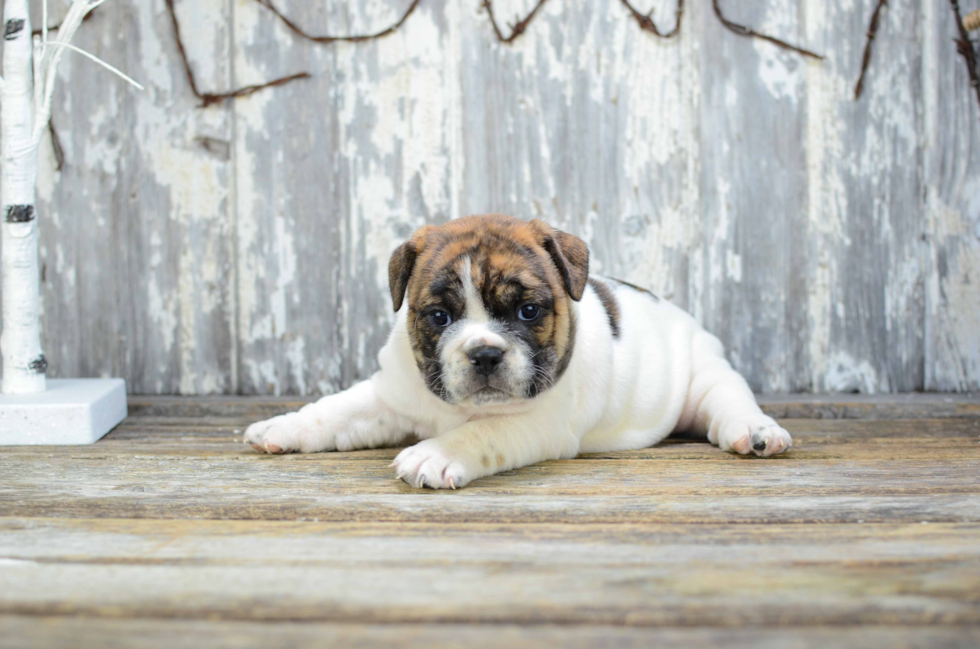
(489,305)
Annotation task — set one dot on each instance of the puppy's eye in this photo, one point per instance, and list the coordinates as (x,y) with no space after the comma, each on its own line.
(440,318)
(529,312)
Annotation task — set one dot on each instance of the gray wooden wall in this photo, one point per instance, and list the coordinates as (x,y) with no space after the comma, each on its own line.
(832,244)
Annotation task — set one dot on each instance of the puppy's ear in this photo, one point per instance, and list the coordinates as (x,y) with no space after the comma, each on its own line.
(402,263)
(570,255)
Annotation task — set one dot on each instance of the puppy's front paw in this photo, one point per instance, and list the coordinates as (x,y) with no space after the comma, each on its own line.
(764,437)
(429,464)
(277,435)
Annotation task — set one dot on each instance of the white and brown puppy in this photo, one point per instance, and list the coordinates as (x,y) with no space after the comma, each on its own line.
(506,353)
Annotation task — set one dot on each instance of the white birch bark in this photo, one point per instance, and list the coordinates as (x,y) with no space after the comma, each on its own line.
(30,70)
(23,363)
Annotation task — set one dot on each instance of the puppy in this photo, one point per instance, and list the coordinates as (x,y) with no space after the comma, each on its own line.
(506,353)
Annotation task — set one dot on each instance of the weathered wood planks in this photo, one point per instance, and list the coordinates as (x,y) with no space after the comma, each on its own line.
(867,220)
(241,248)
(137,228)
(32,631)
(781,406)
(170,532)
(874,471)
(754,273)
(951,170)
(624,575)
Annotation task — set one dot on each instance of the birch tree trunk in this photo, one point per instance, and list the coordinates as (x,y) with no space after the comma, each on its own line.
(23,363)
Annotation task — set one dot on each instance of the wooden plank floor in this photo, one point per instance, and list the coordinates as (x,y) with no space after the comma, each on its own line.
(170,532)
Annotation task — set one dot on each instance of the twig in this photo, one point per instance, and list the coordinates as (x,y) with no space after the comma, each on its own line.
(96,59)
(212,98)
(59,152)
(965,48)
(208,98)
(324,39)
(39,30)
(517,28)
(743,30)
(46,62)
(866,60)
(645,21)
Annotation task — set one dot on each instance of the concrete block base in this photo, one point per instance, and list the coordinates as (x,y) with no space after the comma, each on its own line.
(69,411)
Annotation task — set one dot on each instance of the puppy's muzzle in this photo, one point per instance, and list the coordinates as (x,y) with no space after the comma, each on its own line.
(486,360)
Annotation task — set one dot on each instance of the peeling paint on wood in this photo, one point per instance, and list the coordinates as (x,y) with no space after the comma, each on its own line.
(832,244)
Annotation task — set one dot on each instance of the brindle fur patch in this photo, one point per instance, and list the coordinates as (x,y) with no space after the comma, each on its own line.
(512,263)
(609,303)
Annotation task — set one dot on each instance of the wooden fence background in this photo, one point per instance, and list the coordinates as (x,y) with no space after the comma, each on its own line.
(832,244)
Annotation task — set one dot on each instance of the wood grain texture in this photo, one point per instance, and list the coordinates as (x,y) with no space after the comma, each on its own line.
(814,439)
(170,532)
(647,576)
(25,632)
(780,406)
(240,249)
(951,169)
(845,471)
(135,238)
(866,212)
(754,281)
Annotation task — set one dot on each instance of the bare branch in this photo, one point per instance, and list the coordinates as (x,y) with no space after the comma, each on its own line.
(125,77)
(517,28)
(325,39)
(52,28)
(743,30)
(645,21)
(46,62)
(872,30)
(208,98)
(59,152)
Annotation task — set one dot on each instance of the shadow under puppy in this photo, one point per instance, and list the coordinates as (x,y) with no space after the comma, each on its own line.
(506,353)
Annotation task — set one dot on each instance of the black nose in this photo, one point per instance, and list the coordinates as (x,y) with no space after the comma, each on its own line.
(486,359)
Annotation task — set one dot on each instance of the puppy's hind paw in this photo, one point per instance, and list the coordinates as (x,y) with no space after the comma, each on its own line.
(762,438)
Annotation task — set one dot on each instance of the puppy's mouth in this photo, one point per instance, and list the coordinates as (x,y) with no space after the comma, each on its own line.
(491,390)
(488,394)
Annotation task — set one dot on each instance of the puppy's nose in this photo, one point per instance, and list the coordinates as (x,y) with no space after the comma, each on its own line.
(486,359)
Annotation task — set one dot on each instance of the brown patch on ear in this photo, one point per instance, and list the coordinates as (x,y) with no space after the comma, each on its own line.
(570,255)
(402,263)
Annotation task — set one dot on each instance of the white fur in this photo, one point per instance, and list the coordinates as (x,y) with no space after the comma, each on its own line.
(475,311)
(663,373)
(478,329)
